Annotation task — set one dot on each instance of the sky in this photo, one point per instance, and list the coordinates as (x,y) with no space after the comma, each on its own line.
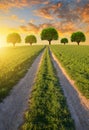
(31,16)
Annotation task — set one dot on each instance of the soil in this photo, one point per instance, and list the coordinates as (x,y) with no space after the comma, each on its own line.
(13,107)
(77,104)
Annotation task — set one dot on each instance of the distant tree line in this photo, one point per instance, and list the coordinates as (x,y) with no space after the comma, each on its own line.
(48,34)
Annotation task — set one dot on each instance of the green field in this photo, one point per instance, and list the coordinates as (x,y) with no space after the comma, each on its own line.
(75,59)
(14,63)
(48,109)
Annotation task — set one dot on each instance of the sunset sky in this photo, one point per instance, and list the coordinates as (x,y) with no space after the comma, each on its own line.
(31,16)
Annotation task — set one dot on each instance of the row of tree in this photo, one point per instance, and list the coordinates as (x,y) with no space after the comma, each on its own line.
(48,34)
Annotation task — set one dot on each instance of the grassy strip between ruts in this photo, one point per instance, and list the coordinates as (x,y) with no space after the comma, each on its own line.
(75,59)
(47,104)
(15,63)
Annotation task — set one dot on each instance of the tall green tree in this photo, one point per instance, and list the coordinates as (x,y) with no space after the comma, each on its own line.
(49,34)
(64,40)
(30,39)
(78,37)
(14,38)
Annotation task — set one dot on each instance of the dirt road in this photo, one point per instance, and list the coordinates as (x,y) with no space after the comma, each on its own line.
(78,105)
(13,107)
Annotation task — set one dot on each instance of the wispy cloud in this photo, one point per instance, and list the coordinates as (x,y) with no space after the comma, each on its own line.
(16,18)
(47,10)
(8,4)
(30,28)
(62,28)
(72,14)
(44,13)
(64,15)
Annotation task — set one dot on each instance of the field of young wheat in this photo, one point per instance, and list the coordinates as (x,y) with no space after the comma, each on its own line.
(14,63)
(75,59)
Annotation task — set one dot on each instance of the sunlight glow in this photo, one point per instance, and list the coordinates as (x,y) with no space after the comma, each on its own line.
(2,41)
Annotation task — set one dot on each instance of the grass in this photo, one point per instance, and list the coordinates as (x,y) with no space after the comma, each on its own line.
(14,63)
(75,59)
(47,104)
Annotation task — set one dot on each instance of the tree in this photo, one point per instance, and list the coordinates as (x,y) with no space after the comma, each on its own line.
(78,37)
(64,40)
(13,38)
(30,39)
(49,34)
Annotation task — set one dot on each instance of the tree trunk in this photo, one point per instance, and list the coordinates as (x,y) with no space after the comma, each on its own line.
(50,42)
(13,44)
(78,43)
(30,44)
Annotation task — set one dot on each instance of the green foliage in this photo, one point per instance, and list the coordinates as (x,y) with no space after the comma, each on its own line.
(49,34)
(48,109)
(76,62)
(13,38)
(14,63)
(78,37)
(30,39)
(64,40)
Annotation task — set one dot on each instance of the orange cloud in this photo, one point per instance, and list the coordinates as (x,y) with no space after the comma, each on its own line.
(65,17)
(68,27)
(5,5)
(54,7)
(30,28)
(85,14)
(84,17)
(47,11)
(43,13)
(78,1)
(33,28)
(23,28)
(16,18)
(8,4)
(61,27)
(32,21)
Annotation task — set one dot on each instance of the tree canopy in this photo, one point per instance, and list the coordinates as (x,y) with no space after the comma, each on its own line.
(78,37)
(49,34)
(64,40)
(13,38)
(30,39)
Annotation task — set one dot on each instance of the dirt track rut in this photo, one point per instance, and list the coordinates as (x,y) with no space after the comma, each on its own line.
(13,107)
(79,108)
